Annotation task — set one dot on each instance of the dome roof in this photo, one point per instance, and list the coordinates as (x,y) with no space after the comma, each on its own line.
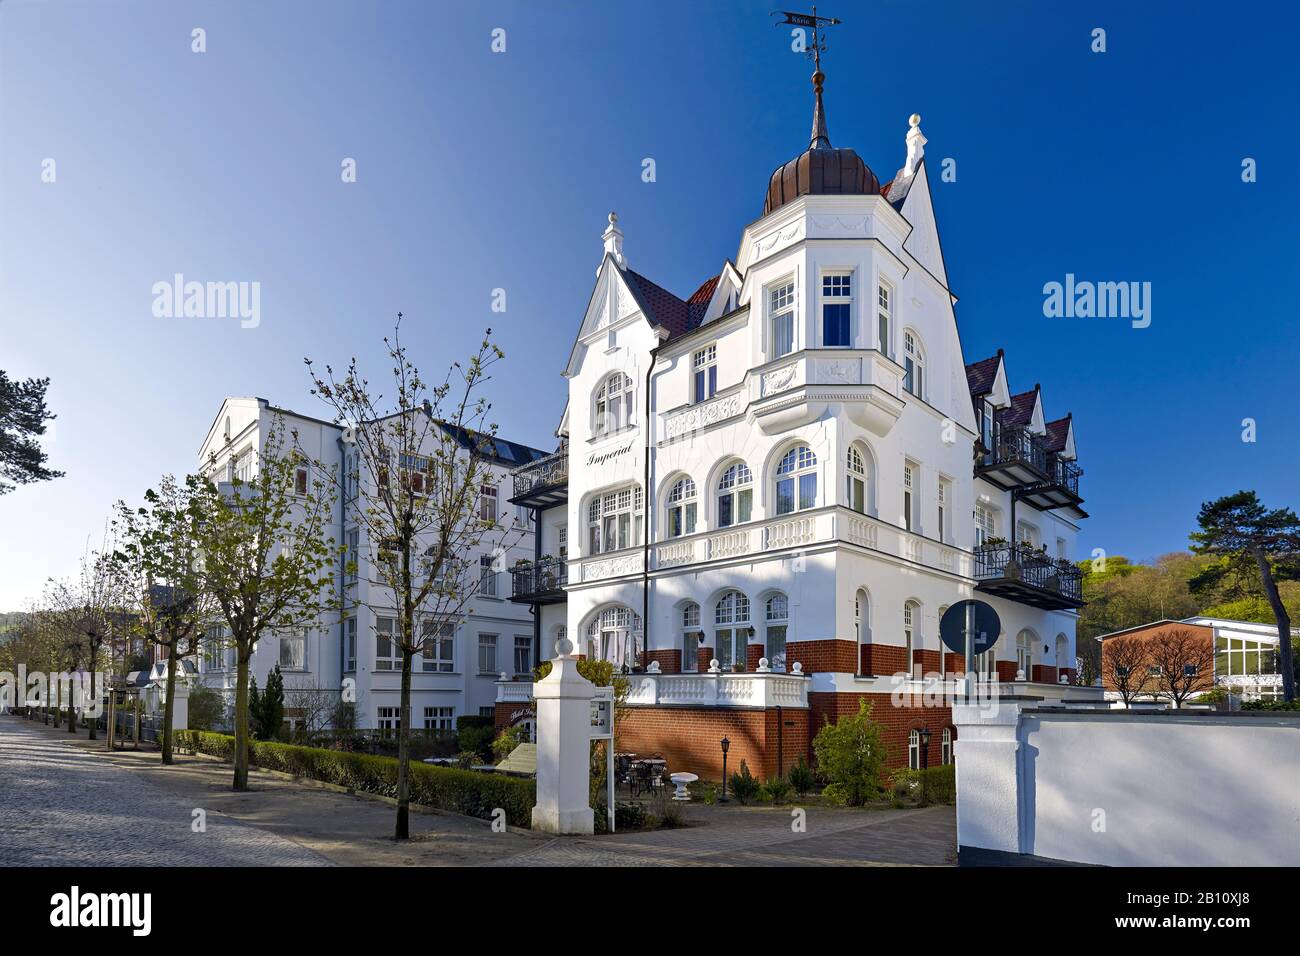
(820,170)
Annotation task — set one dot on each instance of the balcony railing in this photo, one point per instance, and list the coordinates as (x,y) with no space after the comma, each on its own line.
(1015,449)
(1028,576)
(1064,475)
(696,690)
(543,482)
(539,583)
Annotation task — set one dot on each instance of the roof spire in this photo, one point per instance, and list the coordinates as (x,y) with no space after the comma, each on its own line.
(815,49)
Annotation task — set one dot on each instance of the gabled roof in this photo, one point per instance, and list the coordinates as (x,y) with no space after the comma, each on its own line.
(661,307)
(1058,433)
(1021,411)
(981,375)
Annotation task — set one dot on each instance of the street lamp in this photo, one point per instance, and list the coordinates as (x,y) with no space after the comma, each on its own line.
(726,745)
(925,758)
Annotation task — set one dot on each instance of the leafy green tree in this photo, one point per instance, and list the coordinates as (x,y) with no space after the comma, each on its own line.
(22,421)
(421,455)
(268,562)
(207,710)
(158,562)
(271,715)
(851,755)
(1240,529)
(254,708)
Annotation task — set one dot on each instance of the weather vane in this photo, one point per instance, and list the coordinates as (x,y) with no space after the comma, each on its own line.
(814,23)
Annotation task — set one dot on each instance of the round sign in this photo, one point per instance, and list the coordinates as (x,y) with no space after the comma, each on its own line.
(952,627)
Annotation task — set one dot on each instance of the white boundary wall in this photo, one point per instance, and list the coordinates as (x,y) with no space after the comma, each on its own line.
(1124,788)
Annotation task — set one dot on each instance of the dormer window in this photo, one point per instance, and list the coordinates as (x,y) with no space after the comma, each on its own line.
(705,366)
(614,404)
(837,299)
(781,311)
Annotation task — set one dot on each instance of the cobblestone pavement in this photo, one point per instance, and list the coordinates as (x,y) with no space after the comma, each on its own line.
(763,836)
(63,806)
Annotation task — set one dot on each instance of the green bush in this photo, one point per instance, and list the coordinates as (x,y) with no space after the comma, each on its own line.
(924,787)
(469,792)
(207,708)
(779,789)
(744,785)
(507,741)
(474,720)
(850,755)
(1271,705)
(478,740)
(800,777)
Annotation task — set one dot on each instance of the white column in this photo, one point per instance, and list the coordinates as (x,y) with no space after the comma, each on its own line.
(563,746)
(989,798)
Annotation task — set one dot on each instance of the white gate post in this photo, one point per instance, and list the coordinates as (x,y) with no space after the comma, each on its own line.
(989,798)
(563,746)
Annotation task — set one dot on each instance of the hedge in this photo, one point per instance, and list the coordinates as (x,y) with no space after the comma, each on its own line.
(470,792)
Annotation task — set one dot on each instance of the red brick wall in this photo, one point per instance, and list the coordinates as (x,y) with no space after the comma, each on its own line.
(1044,673)
(703,657)
(1007,670)
(954,663)
(670,662)
(1203,632)
(831,656)
(502,716)
(753,654)
(896,722)
(929,662)
(882,660)
(690,738)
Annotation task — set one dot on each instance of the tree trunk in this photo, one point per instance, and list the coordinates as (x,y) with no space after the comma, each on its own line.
(1283,624)
(94,690)
(403,831)
(168,706)
(72,711)
(241,719)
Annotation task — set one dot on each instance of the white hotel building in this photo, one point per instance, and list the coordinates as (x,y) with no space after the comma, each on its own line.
(457,675)
(797,465)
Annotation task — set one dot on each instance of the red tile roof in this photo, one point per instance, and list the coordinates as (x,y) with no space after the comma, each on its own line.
(1021,410)
(982,374)
(1057,432)
(663,308)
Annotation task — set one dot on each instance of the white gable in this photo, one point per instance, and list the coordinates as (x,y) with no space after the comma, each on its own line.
(923,242)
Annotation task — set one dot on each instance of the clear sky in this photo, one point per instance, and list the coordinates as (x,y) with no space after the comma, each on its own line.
(479,170)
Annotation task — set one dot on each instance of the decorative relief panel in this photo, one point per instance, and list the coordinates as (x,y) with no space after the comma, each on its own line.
(839,371)
(779,379)
(611,567)
(700,416)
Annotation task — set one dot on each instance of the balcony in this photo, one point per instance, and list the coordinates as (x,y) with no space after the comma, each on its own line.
(1026,576)
(1060,489)
(1017,458)
(542,483)
(696,690)
(539,583)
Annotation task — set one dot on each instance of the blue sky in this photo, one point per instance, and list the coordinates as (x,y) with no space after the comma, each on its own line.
(479,170)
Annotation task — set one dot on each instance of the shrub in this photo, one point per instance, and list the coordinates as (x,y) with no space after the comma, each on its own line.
(469,792)
(466,759)
(477,740)
(474,720)
(925,787)
(800,777)
(668,812)
(507,741)
(779,789)
(744,785)
(850,754)
(1271,705)
(207,708)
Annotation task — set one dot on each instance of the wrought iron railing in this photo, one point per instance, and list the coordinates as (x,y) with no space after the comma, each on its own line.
(543,473)
(549,574)
(1030,566)
(1016,444)
(1064,474)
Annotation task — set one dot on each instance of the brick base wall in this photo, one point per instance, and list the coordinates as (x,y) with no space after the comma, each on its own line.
(1044,674)
(670,662)
(753,654)
(507,714)
(690,738)
(882,660)
(702,658)
(823,656)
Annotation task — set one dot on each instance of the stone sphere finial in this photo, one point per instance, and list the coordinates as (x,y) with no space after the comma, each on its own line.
(564,647)
(915,120)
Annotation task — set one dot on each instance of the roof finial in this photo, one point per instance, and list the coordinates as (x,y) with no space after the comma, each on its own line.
(820,138)
(613,239)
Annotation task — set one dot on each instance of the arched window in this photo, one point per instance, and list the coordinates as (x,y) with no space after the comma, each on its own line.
(1025,642)
(913,364)
(690,642)
(614,404)
(914,749)
(731,631)
(615,635)
(735,495)
(856,480)
(776,622)
(911,634)
(681,508)
(614,520)
(796,480)
(945,746)
(1063,661)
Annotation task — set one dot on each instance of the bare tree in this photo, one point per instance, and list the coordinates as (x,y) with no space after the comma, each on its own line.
(1126,664)
(413,482)
(310,706)
(1184,663)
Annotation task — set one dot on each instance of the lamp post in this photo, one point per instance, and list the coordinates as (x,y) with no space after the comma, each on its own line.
(726,745)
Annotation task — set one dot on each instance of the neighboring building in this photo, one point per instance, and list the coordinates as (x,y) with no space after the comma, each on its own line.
(457,675)
(778,468)
(1245,655)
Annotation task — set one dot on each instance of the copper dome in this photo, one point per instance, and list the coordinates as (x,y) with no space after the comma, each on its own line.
(820,171)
